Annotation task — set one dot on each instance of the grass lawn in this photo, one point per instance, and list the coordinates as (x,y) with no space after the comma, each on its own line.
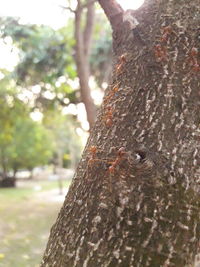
(25,222)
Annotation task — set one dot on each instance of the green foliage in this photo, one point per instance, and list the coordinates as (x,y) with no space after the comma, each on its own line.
(45,55)
(67,143)
(46,60)
(31,145)
(43,51)
(23,142)
(11,107)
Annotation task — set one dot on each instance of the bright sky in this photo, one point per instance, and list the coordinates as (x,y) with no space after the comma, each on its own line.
(47,11)
(130,4)
(36,11)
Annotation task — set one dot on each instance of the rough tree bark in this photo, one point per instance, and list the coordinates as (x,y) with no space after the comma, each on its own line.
(134,200)
(83,42)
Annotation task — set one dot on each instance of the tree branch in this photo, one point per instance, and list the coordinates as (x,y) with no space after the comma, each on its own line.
(112,10)
(68,8)
(87,34)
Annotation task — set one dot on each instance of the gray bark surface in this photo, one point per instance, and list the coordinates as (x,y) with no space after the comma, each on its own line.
(135,201)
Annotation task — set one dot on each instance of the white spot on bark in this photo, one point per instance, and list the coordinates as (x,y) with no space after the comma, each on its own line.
(116,254)
(110,235)
(96,220)
(91,244)
(154,225)
(183,226)
(128,248)
(79,202)
(139,203)
(119,211)
(128,16)
(103,205)
(148,219)
(124,201)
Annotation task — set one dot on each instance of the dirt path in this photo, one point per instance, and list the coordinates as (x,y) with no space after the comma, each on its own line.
(25,223)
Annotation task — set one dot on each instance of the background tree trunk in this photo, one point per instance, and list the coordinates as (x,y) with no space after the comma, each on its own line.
(134,200)
(83,36)
(3,165)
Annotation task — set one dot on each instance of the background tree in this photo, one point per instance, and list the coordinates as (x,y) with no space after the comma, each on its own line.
(45,58)
(83,42)
(23,142)
(67,143)
(83,28)
(52,59)
(31,146)
(11,107)
(41,81)
(85,64)
(66,140)
(134,200)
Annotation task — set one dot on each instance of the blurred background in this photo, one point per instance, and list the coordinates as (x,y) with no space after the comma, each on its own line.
(55,63)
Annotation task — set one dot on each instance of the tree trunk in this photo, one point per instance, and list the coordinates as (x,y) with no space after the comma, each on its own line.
(15,170)
(3,164)
(134,200)
(83,42)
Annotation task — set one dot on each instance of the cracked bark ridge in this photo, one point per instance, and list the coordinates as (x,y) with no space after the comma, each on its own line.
(145,212)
